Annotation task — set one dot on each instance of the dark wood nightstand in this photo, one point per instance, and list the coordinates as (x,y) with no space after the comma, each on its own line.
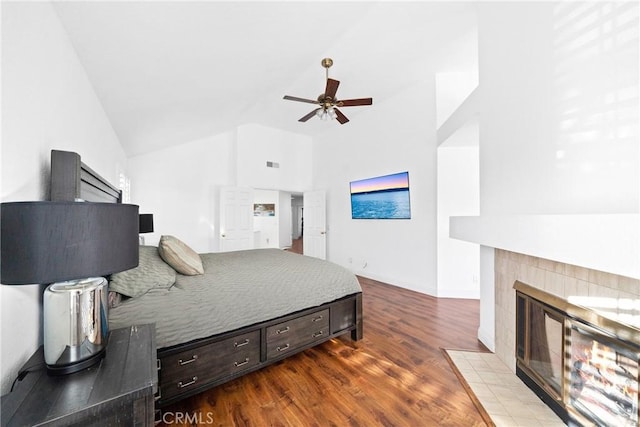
(117,391)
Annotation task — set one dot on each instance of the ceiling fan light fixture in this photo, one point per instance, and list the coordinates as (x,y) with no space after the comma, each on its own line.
(327,101)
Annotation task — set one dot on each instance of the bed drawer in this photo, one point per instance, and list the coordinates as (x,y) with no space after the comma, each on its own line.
(288,336)
(193,368)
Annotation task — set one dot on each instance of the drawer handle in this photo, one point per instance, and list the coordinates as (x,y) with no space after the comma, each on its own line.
(242,344)
(317,319)
(186,362)
(318,334)
(183,385)
(286,347)
(282,331)
(246,360)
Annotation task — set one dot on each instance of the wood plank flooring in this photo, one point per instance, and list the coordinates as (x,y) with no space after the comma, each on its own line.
(396,376)
(296,246)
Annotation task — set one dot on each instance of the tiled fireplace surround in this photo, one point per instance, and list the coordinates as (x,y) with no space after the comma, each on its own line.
(563,280)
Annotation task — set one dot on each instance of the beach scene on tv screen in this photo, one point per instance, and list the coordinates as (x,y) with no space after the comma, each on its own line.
(382,197)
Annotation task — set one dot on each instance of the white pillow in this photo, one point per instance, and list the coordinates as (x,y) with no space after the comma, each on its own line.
(180,256)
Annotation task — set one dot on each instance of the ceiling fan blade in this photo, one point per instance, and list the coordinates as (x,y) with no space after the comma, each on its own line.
(295,98)
(355,102)
(331,89)
(340,117)
(308,116)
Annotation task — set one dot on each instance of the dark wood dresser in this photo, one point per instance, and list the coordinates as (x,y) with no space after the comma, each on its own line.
(119,390)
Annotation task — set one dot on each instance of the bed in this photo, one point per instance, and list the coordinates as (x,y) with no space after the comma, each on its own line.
(219,316)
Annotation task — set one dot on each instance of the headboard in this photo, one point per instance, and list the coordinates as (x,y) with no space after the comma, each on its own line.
(72,180)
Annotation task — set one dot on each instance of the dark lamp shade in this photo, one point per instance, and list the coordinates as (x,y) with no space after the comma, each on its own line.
(47,242)
(146,223)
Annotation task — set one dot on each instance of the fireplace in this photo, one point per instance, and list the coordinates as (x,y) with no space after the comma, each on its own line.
(582,364)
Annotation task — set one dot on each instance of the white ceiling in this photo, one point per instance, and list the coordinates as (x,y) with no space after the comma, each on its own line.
(171,72)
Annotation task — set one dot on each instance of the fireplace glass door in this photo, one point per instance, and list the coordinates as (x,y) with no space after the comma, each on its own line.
(545,346)
(603,380)
(582,365)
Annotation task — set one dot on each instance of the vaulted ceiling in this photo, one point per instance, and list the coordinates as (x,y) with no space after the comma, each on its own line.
(171,72)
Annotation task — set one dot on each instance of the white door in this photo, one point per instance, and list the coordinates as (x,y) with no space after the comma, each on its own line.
(236,219)
(315,224)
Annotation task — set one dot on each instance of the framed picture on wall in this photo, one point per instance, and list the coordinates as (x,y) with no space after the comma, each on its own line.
(381,197)
(264,209)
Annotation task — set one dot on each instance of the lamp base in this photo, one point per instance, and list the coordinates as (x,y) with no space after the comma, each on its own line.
(75,324)
(77,366)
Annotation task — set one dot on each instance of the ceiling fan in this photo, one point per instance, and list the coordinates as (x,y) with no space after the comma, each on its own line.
(327,101)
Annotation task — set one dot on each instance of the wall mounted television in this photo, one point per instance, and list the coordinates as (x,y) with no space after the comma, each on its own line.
(381,197)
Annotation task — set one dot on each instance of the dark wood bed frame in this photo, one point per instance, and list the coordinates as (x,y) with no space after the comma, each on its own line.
(190,368)
(72,180)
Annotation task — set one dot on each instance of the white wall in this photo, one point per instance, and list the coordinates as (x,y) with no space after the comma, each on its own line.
(451,90)
(458,175)
(458,194)
(559,125)
(284,220)
(47,102)
(394,136)
(259,144)
(180,187)
(487,327)
(559,119)
(268,226)
(273,231)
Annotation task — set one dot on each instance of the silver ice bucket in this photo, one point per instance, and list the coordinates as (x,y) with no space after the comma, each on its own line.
(75,324)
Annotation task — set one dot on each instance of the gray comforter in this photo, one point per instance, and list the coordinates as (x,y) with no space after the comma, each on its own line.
(237,289)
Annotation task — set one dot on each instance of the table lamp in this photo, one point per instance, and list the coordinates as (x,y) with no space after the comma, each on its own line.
(146,225)
(69,245)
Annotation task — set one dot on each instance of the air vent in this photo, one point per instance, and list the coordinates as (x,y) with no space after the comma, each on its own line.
(275,165)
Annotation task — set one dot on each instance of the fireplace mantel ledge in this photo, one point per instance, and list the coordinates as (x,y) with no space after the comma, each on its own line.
(608,242)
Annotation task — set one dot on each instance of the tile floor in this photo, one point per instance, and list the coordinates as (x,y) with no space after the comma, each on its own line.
(506,399)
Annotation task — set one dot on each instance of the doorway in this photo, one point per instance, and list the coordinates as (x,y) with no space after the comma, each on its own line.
(297,223)
(458,194)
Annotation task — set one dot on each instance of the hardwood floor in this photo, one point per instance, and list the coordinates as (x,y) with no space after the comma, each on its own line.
(296,245)
(396,376)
